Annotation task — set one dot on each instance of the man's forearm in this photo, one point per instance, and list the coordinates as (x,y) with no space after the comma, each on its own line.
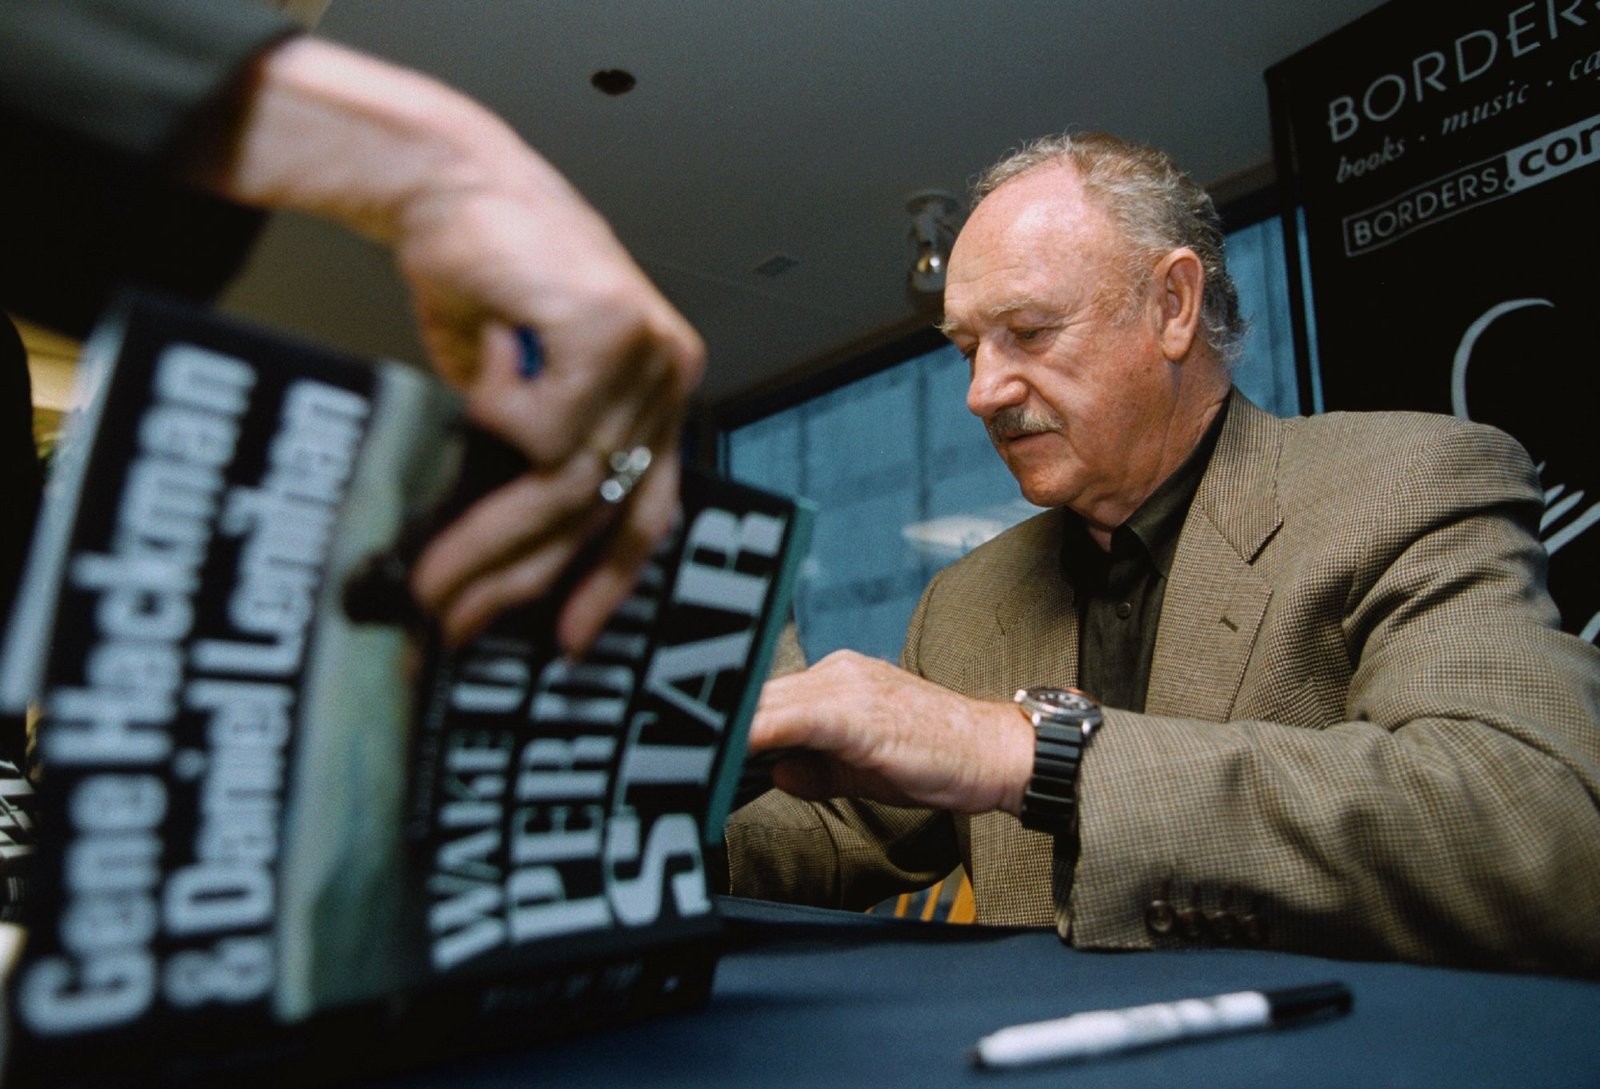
(334,133)
(490,239)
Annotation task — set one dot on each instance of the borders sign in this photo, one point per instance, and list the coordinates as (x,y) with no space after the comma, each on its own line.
(1446,160)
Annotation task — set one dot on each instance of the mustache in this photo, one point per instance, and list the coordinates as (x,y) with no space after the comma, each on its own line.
(1015,420)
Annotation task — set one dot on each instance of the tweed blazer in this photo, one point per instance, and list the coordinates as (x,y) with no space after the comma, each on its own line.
(1364,733)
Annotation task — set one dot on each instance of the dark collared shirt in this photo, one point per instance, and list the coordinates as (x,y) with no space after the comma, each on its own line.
(1119,593)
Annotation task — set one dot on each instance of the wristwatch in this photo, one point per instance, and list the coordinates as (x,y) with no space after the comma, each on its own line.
(1064,720)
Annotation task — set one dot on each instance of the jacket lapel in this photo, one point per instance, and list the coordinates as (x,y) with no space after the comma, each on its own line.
(1215,599)
(1037,624)
(1034,641)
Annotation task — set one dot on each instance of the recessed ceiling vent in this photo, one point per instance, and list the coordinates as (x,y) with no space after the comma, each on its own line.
(613,81)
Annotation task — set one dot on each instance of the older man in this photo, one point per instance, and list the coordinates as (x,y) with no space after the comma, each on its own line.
(1328,704)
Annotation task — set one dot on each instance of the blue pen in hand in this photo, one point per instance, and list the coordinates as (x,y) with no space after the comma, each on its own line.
(530,357)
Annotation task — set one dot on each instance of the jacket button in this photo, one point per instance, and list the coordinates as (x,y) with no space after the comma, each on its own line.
(1224,927)
(1159,918)
(1192,923)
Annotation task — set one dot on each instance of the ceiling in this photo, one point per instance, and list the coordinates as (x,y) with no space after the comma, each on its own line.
(799,129)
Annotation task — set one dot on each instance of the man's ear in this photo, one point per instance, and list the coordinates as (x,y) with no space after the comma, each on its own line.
(1181,281)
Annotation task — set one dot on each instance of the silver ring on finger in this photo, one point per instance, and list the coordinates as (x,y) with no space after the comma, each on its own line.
(624,470)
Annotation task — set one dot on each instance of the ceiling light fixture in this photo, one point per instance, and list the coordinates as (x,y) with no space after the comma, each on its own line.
(933,232)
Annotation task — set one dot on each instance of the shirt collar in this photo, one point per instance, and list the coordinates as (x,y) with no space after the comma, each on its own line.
(1159,520)
(1155,527)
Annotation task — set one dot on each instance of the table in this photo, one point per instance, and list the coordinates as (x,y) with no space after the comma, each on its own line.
(815,999)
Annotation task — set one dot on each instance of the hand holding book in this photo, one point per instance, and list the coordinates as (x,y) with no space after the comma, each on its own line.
(490,238)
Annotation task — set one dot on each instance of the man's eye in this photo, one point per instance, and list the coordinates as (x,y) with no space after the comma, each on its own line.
(1027,334)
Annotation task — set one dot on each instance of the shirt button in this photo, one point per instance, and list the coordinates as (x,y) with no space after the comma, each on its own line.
(1124,610)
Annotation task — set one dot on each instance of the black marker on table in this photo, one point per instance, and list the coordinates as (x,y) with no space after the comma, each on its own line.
(1108,1032)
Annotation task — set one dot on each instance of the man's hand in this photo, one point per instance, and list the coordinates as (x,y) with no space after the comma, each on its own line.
(871,730)
(490,238)
(619,365)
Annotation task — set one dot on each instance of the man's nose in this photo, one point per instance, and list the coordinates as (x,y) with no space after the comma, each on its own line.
(995,384)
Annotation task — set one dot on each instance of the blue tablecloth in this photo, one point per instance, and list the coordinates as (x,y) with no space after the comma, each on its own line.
(816,999)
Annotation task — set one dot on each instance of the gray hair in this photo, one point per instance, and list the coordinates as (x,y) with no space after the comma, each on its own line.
(1158,209)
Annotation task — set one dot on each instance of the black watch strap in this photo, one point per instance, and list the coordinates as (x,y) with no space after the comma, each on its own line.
(1063,722)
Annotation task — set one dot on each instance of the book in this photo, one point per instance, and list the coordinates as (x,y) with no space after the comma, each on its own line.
(276,813)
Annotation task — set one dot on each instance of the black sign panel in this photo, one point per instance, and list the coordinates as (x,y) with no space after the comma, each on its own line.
(1446,159)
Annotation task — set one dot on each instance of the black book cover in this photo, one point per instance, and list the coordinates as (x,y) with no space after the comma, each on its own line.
(280,826)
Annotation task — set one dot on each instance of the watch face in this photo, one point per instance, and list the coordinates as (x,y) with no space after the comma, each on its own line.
(1066,702)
